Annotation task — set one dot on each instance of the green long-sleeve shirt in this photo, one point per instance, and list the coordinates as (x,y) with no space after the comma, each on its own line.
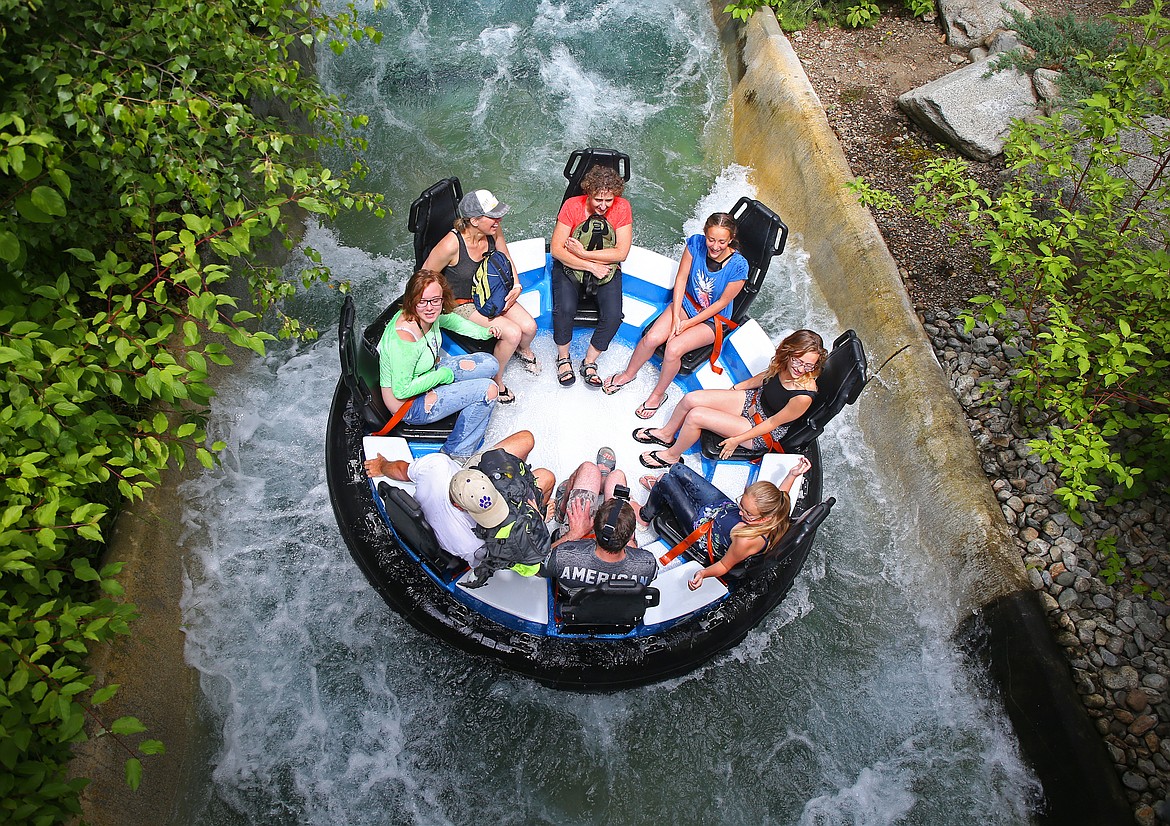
(408,367)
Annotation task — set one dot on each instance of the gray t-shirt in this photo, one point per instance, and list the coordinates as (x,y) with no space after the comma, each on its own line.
(574,566)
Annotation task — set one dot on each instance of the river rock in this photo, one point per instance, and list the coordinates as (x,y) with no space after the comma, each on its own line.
(971,112)
(1046,82)
(968,23)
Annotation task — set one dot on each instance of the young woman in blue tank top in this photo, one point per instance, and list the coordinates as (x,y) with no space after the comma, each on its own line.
(711,273)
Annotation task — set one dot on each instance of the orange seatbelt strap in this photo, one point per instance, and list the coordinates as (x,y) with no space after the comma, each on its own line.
(720,322)
(772,444)
(397,417)
(704,529)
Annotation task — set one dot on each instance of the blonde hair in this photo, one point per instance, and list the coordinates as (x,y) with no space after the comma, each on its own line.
(802,341)
(774,506)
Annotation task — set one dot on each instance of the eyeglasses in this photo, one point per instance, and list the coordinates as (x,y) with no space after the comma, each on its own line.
(437,301)
(802,365)
(748,515)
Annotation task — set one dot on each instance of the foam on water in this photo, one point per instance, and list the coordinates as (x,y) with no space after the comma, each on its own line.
(847,704)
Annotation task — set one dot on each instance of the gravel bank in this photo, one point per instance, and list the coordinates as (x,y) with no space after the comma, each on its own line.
(1115,630)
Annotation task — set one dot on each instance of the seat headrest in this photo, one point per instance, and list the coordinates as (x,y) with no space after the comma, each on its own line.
(432,215)
(582,160)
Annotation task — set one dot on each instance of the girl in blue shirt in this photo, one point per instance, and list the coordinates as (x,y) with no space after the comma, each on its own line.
(710,275)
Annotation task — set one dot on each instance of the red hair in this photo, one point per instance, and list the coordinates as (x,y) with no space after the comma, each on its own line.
(417,285)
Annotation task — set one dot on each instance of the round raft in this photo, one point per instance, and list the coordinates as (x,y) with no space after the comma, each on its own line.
(609,636)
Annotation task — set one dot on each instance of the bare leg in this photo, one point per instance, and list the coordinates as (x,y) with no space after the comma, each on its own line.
(676,348)
(519,444)
(658,333)
(700,419)
(616,477)
(545,481)
(526,324)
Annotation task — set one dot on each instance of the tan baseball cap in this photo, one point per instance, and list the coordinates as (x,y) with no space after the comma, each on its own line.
(474,492)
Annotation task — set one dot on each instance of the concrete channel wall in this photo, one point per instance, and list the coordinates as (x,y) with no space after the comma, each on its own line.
(910,418)
(781,132)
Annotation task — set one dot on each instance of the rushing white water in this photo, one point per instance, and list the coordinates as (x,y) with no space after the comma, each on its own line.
(849,704)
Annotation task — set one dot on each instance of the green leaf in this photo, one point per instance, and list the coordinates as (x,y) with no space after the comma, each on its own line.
(48,200)
(9,246)
(133,773)
(104,693)
(127,725)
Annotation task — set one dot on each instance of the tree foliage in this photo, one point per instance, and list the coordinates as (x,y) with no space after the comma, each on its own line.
(795,15)
(148,151)
(1079,237)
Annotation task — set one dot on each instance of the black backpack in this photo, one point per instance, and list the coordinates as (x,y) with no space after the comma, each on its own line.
(523,537)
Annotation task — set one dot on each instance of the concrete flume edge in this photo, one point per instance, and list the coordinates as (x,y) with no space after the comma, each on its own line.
(910,414)
(803,177)
(156,684)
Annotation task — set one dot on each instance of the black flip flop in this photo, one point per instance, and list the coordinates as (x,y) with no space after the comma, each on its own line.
(652,460)
(642,434)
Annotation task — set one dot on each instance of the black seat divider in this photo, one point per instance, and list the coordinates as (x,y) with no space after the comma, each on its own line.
(432,215)
(762,236)
(840,383)
(794,545)
(580,162)
(364,389)
(413,529)
(613,607)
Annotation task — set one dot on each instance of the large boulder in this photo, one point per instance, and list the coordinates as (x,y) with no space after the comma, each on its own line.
(969,111)
(969,22)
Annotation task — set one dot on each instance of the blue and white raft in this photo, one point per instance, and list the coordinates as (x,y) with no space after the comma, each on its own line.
(610,636)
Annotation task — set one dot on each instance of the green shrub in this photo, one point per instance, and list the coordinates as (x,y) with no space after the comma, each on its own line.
(1082,248)
(137,174)
(1074,48)
(795,15)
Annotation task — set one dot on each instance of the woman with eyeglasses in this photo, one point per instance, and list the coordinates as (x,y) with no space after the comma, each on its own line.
(416,374)
(726,532)
(756,412)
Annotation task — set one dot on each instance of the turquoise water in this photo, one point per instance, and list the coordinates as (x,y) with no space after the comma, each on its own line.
(848,705)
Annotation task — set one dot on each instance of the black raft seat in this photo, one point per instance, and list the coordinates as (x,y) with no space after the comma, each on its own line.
(840,383)
(762,236)
(359,369)
(580,162)
(416,533)
(613,607)
(432,215)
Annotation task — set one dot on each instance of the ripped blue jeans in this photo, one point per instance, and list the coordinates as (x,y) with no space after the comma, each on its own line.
(467,396)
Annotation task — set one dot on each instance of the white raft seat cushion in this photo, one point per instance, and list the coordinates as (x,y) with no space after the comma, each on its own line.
(677,599)
(392,448)
(775,466)
(525,597)
(651,267)
(747,343)
(529,256)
